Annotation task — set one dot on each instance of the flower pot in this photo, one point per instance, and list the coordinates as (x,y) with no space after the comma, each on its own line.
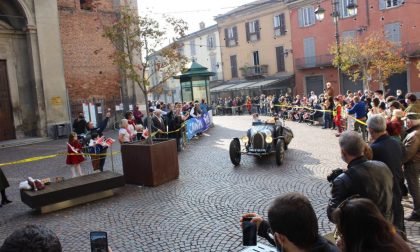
(150,164)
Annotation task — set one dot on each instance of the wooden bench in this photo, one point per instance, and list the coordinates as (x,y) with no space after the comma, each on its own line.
(72,192)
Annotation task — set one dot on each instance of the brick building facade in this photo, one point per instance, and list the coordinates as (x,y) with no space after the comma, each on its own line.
(312,39)
(89,72)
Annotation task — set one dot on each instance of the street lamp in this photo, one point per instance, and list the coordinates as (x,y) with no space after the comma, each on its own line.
(352,8)
(320,15)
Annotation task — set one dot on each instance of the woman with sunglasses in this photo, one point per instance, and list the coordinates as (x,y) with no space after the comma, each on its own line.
(362,228)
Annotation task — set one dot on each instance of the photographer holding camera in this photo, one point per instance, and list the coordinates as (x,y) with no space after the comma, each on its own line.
(292,225)
(367,178)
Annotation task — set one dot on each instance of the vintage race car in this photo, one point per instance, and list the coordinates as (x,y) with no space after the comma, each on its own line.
(263,138)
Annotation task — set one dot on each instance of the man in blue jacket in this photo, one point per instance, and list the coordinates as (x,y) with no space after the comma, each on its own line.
(359,111)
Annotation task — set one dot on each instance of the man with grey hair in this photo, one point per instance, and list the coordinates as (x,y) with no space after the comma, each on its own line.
(412,161)
(388,150)
(363,177)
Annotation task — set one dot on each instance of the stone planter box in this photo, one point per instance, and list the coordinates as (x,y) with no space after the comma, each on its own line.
(150,164)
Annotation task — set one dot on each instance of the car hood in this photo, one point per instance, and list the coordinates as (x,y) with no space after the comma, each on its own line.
(266,129)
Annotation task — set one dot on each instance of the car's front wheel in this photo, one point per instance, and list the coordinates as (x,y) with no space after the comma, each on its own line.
(280,152)
(235,151)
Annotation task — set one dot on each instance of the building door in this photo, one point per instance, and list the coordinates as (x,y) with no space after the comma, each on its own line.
(397,81)
(280,59)
(314,83)
(348,84)
(233,66)
(7,128)
(256,59)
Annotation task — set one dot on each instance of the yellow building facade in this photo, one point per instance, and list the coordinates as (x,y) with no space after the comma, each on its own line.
(256,41)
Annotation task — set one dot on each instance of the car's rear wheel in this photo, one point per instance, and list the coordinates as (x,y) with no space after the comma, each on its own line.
(235,152)
(280,152)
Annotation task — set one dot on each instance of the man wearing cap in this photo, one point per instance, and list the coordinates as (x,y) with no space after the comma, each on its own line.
(411,161)
(413,104)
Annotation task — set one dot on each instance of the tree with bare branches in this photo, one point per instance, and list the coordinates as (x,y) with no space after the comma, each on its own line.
(135,39)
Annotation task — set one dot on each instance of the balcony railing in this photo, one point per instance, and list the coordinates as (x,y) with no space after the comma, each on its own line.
(255,72)
(412,49)
(314,61)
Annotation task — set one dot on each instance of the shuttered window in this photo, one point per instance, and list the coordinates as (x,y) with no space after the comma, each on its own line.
(348,35)
(393,32)
(231,36)
(306,16)
(309,51)
(252,30)
(279,25)
(192,47)
(342,7)
(386,4)
(280,59)
(211,41)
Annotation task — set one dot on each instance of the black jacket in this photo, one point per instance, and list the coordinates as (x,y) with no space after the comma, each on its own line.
(388,150)
(321,244)
(79,126)
(367,178)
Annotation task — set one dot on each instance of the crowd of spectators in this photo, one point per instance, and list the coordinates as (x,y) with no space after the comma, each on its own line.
(381,150)
(163,120)
(332,111)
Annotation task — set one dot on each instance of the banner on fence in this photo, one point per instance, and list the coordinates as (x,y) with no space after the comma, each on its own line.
(197,125)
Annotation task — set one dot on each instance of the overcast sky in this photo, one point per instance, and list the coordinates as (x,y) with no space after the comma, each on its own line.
(192,11)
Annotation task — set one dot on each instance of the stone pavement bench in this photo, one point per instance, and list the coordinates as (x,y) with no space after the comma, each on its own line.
(73,191)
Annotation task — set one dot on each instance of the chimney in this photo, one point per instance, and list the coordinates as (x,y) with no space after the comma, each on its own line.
(202,25)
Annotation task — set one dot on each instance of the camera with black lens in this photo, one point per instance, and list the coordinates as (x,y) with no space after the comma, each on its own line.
(334,174)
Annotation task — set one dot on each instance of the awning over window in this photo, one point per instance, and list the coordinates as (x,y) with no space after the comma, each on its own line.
(263,84)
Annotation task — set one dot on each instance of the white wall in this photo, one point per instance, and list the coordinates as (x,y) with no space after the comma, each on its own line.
(202,53)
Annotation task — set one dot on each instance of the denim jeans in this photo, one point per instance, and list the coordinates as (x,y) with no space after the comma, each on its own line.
(327,120)
(411,173)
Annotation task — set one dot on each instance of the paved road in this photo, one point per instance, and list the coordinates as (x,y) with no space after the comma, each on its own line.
(197,212)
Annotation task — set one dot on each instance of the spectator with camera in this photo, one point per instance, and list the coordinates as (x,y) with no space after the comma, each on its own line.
(367,178)
(389,151)
(292,225)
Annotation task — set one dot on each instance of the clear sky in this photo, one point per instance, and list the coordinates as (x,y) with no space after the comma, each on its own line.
(192,11)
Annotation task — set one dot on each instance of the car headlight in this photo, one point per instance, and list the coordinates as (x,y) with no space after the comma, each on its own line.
(245,139)
(268,139)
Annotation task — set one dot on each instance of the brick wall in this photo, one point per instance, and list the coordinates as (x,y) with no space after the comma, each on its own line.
(89,71)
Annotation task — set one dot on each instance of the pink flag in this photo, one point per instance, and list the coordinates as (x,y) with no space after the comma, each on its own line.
(145,133)
(109,141)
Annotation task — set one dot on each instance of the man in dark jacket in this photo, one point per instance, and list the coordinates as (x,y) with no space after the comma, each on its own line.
(79,124)
(292,225)
(363,177)
(389,151)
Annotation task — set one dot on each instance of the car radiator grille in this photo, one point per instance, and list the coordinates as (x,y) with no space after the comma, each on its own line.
(258,141)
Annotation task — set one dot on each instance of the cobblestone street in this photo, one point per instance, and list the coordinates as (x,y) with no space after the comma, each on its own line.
(198,212)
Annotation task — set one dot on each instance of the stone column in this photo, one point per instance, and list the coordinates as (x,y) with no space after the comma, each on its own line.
(51,64)
(36,80)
